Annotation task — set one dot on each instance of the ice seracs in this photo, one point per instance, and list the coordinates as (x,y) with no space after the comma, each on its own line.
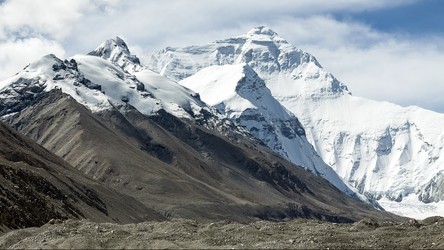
(386,151)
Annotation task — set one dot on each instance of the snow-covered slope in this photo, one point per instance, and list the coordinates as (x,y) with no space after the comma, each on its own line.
(389,152)
(109,76)
(240,94)
(98,84)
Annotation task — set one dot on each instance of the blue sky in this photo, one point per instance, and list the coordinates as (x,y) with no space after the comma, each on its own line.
(391,50)
(418,18)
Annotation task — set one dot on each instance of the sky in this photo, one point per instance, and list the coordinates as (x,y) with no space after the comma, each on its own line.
(383,50)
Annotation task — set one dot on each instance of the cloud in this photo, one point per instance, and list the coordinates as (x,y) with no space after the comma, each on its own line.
(22,52)
(24,18)
(403,72)
(32,29)
(156,23)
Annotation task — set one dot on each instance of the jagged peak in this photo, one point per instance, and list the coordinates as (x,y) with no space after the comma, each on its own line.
(116,50)
(112,44)
(106,48)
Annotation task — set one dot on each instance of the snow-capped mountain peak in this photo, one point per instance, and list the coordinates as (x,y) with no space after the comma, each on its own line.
(116,51)
(268,54)
(264,50)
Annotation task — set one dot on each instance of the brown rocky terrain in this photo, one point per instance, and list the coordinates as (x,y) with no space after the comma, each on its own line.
(294,234)
(37,186)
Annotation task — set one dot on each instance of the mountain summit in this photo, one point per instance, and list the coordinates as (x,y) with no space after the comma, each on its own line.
(116,51)
(387,152)
(267,53)
(262,30)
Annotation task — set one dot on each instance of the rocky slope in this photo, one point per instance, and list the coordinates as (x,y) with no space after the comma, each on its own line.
(387,152)
(36,186)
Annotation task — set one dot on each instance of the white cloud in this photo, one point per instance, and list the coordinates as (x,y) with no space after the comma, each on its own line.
(157,23)
(21,52)
(30,29)
(49,17)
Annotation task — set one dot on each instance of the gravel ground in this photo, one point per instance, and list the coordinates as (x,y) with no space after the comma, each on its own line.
(304,234)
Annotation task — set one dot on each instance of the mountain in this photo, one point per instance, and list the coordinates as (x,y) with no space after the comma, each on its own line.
(154,140)
(37,186)
(241,95)
(387,152)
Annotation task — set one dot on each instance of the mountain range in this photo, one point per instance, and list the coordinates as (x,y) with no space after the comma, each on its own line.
(386,152)
(122,128)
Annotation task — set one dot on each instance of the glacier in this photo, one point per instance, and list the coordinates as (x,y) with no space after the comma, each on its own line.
(387,152)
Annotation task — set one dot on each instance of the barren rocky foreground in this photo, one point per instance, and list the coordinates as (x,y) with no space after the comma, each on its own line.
(299,233)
